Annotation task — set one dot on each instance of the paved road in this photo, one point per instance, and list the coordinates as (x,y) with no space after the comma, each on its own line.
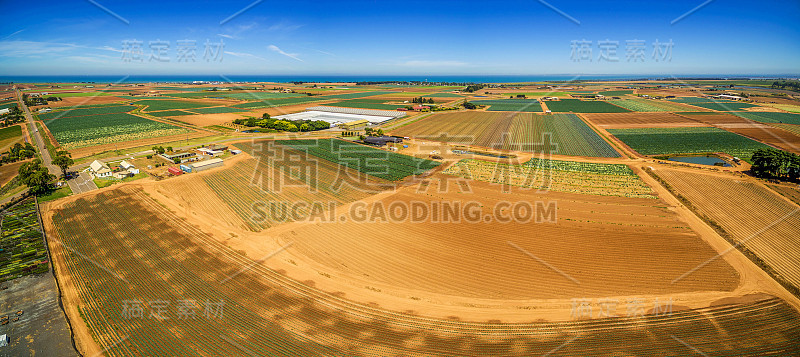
(78,185)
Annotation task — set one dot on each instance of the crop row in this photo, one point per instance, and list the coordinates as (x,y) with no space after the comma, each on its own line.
(584,106)
(22,249)
(76,132)
(538,175)
(386,165)
(161,257)
(659,141)
(85,110)
(648,105)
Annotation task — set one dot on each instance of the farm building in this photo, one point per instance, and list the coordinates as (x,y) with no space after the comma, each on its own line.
(727,96)
(5,111)
(174,171)
(4,340)
(354,125)
(337,116)
(202,165)
(125,165)
(209,151)
(100,169)
(382,140)
(182,156)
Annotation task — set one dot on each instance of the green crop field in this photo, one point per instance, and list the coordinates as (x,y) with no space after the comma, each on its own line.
(82,131)
(353,95)
(154,105)
(280,102)
(216,110)
(509,131)
(10,132)
(8,104)
(648,105)
(374,162)
(584,106)
(690,100)
(617,93)
(770,117)
(660,141)
(238,95)
(443,95)
(22,250)
(511,105)
(568,132)
(85,110)
(724,106)
(368,104)
(169,113)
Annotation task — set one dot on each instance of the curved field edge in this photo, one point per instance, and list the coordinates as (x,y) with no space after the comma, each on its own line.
(267,313)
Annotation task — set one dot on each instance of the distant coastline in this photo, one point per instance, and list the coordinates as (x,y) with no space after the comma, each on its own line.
(372,78)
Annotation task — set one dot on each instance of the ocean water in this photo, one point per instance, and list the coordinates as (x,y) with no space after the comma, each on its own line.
(334,78)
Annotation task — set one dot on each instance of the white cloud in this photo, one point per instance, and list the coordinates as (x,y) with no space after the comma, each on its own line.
(284,26)
(290,55)
(244,54)
(434,64)
(226,36)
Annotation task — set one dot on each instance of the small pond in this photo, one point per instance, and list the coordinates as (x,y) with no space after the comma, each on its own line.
(702,160)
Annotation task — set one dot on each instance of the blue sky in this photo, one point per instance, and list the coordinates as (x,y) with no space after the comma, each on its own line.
(399,37)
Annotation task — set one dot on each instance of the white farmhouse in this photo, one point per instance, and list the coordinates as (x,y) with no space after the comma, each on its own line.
(100,169)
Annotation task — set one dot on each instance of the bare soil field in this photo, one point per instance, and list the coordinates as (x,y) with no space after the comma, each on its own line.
(450,257)
(210,119)
(73,101)
(640,120)
(8,171)
(138,251)
(769,231)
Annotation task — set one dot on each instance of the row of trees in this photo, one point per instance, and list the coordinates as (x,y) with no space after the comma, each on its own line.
(777,164)
(283,125)
(18,152)
(793,85)
(474,88)
(422,100)
(160,149)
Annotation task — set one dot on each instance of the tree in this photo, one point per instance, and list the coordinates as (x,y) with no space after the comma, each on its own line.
(169,148)
(379,132)
(304,127)
(63,160)
(35,176)
(176,160)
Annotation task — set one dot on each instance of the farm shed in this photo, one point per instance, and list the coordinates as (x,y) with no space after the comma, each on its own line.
(217,147)
(382,140)
(203,165)
(354,125)
(4,340)
(100,169)
(182,156)
(5,111)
